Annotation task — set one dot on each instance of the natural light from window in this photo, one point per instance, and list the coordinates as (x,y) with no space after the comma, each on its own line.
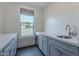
(26,24)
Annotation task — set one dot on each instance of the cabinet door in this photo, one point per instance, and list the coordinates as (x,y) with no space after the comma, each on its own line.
(36,40)
(14,47)
(53,51)
(40,39)
(1,53)
(8,50)
(45,45)
(64,52)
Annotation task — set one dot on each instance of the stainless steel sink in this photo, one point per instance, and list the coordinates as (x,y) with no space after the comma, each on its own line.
(64,36)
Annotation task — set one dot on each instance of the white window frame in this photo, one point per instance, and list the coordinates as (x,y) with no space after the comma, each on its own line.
(20,24)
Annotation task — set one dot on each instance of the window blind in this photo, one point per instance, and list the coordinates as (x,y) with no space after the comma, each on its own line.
(26,11)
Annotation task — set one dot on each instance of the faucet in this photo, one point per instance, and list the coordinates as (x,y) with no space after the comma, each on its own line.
(68,27)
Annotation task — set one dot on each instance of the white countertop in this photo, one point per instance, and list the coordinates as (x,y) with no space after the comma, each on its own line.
(5,39)
(74,40)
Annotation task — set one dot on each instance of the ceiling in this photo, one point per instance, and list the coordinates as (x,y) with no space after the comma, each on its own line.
(38,4)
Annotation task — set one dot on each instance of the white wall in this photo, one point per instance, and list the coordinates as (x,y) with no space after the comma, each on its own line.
(11,17)
(11,21)
(58,15)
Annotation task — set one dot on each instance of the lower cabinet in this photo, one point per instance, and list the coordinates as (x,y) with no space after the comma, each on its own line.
(41,42)
(53,50)
(53,47)
(14,47)
(64,54)
(1,53)
(45,45)
(56,50)
(9,49)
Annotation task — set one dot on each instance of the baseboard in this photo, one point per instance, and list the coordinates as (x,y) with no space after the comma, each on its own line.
(24,44)
(25,47)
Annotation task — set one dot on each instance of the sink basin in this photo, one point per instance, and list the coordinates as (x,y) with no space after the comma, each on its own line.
(64,36)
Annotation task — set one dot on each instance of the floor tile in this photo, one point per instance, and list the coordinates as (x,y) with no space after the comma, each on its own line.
(29,51)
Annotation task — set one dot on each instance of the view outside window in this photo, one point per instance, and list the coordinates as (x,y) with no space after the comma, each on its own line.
(26,24)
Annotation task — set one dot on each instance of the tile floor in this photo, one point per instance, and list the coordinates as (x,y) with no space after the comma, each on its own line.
(29,51)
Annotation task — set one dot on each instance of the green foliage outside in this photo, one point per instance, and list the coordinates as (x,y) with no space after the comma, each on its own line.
(28,25)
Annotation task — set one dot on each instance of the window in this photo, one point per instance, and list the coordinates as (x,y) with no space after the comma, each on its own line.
(26,21)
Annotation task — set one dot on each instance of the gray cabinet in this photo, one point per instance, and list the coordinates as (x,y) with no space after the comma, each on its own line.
(53,47)
(41,42)
(64,52)
(53,51)
(45,45)
(1,53)
(14,46)
(10,48)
